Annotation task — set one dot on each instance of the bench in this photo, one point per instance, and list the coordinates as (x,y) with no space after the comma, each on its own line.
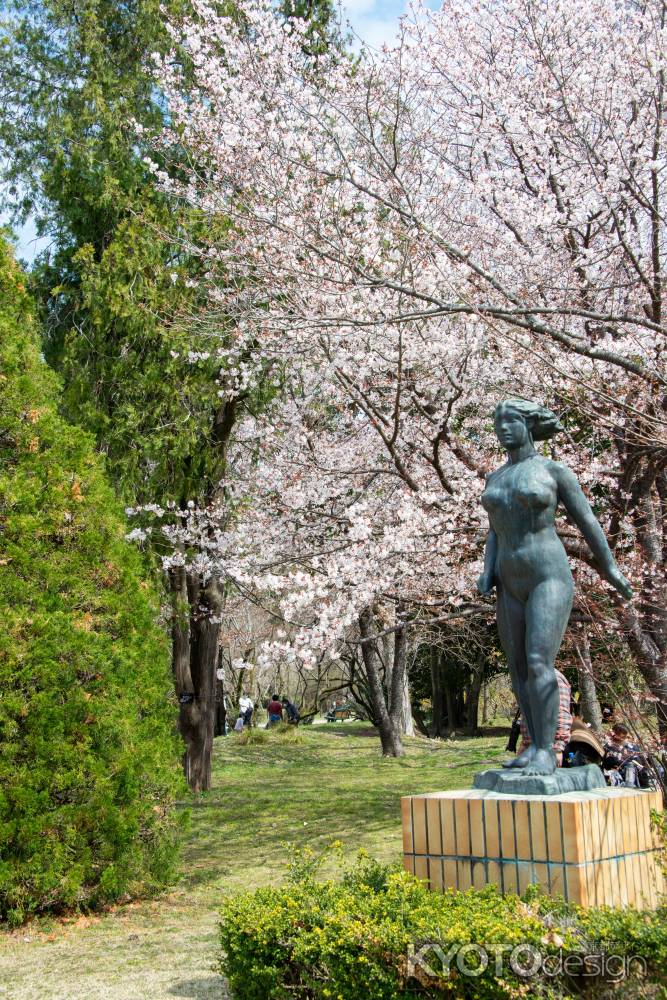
(341,712)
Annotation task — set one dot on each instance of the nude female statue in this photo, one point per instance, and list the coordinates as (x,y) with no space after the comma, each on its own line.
(526,562)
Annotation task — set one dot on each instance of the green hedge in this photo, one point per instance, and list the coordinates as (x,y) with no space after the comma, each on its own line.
(340,941)
(88,753)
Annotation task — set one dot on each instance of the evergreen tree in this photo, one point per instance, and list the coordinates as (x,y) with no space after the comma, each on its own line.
(323,29)
(89,757)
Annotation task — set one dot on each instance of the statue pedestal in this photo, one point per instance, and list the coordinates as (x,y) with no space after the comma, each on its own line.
(514,782)
(591,847)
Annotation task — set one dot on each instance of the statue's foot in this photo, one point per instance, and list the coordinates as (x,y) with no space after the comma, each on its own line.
(524,759)
(544,762)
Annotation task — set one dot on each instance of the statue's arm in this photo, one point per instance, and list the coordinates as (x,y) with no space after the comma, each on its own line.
(573,499)
(487,580)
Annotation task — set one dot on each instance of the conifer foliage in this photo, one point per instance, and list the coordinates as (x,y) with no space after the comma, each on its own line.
(89,762)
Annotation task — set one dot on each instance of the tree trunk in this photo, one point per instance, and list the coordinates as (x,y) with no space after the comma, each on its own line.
(389,735)
(452,714)
(400,708)
(220,710)
(408,721)
(590,705)
(180,631)
(357,685)
(438,722)
(472,701)
(385,648)
(650,659)
(199,744)
(642,492)
(195,658)
(196,614)
(460,706)
(420,723)
(239,685)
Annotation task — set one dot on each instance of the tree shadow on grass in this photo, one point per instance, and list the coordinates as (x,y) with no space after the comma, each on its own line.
(335,729)
(264,847)
(309,794)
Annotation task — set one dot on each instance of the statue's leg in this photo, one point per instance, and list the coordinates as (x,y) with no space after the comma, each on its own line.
(512,634)
(547,613)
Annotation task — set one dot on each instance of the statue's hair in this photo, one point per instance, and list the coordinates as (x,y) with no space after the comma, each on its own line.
(542,422)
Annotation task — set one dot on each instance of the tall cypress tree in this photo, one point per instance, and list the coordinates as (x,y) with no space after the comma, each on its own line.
(88,753)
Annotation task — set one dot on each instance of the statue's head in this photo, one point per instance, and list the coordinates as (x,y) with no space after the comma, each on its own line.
(518,420)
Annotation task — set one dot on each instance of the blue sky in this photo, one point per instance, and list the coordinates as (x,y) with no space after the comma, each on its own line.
(27,244)
(373,21)
(376,21)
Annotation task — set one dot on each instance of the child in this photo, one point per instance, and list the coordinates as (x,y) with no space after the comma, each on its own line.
(275,710)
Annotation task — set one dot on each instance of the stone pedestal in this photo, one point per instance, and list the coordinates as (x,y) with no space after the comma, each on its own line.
(511,781)
(591,847)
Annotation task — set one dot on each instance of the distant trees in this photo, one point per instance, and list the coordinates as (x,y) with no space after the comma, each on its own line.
(89,757)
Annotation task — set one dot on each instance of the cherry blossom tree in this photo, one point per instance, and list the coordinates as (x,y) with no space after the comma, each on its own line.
(475,212)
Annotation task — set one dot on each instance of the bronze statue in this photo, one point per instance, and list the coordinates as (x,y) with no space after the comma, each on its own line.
(526,562)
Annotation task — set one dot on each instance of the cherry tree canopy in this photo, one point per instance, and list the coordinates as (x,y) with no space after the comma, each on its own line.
(476,212)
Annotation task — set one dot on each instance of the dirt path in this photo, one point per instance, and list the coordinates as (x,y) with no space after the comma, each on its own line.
(148,952)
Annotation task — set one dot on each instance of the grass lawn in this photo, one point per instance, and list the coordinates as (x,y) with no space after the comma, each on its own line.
(330,785)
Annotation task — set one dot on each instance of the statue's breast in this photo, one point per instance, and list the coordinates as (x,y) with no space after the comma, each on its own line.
(494,499)
(534,497)
(530,488)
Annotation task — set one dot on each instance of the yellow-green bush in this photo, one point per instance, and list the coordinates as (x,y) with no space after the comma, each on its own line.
(320,940)
(88,752)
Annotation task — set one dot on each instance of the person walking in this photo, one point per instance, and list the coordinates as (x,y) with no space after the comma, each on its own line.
(275,710)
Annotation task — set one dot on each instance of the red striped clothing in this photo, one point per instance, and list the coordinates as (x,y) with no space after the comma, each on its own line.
(564,718)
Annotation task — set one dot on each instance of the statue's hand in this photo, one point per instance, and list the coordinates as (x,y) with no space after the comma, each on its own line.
(485,583)
(618,581)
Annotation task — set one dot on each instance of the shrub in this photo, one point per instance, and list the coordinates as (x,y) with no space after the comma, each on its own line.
(282,733)
(287,733)
(339,941)
(88,753)
(251,736)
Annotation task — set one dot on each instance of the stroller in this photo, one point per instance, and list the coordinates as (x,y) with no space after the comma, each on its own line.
(584,747)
